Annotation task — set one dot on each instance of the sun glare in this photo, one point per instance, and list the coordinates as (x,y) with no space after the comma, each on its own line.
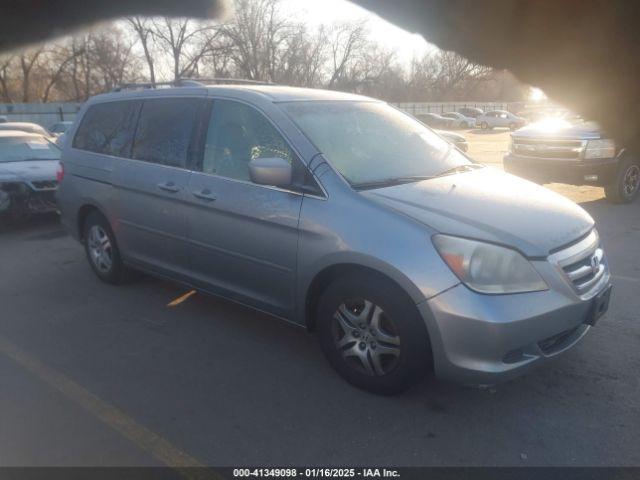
(536,95)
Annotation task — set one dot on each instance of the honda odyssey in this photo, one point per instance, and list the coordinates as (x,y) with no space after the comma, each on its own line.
(338,213)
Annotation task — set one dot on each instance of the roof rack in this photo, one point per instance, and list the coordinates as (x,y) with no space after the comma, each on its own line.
(189,82)
(223,81)
(149,85)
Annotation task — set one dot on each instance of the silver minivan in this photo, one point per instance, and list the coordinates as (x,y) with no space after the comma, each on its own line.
(338,213)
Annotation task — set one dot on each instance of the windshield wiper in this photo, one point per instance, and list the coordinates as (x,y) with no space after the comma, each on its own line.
(389,182)
(459,168)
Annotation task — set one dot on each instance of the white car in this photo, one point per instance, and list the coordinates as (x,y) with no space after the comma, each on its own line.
(459,120)
(500,118)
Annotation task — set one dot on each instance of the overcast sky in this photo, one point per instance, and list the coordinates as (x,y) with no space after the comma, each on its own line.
(328,11)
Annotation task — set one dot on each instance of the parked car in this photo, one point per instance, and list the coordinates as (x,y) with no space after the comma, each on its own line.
(25,127)
(434,120)
(59,128)
(3,118)
(455,138)
(60,139)
(459,120)
(28,165)
(577,153)
(500,118)
(341,214)
(470,112)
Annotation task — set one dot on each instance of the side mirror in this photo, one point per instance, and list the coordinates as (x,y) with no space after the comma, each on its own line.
(275,171)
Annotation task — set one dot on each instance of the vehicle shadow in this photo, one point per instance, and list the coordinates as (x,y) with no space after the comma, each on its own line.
(36,222)
(607,214)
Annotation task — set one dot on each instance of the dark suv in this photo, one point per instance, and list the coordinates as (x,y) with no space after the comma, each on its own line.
(576,153)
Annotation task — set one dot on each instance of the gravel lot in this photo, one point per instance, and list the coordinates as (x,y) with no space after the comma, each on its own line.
(99,375)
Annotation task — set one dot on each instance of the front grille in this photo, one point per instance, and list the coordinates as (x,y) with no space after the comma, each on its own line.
(548,148)
(45,185)
(583,265)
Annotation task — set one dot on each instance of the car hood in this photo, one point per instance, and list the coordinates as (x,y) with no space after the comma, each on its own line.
(490,205)
(558,128)
(28,171)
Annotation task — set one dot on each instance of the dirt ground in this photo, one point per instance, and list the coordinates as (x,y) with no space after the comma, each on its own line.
(490,146)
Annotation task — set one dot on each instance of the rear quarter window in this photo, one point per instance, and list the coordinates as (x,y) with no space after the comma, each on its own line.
(108,128)
(164,131)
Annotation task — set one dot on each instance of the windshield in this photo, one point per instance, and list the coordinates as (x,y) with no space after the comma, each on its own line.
(28,148)
(371,142)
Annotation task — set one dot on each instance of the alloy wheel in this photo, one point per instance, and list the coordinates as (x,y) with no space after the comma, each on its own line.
(100,249)
(366,337)
(631,181)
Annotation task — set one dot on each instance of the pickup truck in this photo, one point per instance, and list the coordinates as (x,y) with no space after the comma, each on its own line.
(576,153)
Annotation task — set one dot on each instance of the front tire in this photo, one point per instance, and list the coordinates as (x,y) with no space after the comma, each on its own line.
(484,126)
(372,334)
(102,250)
(626,185)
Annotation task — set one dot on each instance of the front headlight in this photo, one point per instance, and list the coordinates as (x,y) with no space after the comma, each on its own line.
(488,268)
(604,148)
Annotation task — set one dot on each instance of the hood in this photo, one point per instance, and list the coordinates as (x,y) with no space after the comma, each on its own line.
(488,204)
(558,128)
(29,171)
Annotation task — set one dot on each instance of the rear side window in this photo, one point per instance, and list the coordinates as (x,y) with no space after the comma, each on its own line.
(165,129)
(107,128)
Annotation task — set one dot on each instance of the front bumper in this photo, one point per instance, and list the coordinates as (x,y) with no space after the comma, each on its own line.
(487,339)
(19,198)
(601,171)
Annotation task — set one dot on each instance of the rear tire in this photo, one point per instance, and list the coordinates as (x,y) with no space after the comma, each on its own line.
(372,334)
(102,251)
(626,185)
(484,126)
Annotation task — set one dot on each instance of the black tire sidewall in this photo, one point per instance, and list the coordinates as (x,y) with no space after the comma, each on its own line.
(415,355)
(115,275)
(615,191)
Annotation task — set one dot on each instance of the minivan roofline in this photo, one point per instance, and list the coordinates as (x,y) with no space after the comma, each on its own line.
(273,93)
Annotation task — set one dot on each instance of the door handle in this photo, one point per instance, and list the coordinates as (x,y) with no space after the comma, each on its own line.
(169,187)
(204,194)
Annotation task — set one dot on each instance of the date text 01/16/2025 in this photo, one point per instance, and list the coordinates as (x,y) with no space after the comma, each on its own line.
(315,473)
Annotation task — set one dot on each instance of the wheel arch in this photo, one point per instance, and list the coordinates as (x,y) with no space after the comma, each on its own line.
(83,212)
(329,273)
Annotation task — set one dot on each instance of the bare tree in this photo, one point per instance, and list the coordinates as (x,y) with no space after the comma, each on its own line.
(303,59)
(112,60)
(27,62)
(144,32)
(259,35)
(5,69)
(346,43)
(260,42)
(446,75)
(183,40)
